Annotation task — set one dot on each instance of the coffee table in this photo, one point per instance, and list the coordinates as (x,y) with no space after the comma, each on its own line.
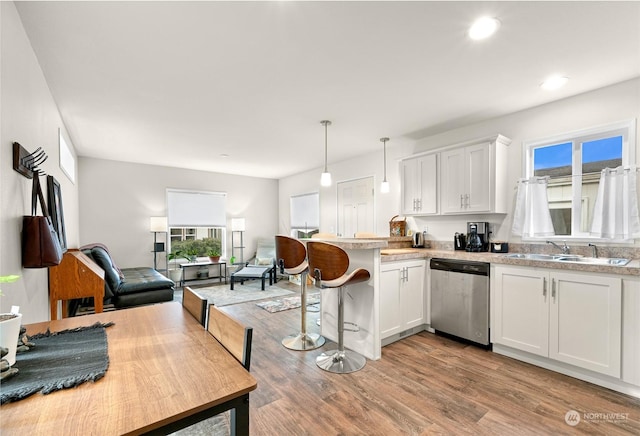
(254,272)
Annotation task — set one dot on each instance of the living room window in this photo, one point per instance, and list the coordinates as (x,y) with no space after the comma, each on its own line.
(197,222)
(571,164)
(305,215)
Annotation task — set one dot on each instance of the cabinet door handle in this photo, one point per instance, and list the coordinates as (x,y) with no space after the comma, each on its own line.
(544,287)
(553,289)
(414,204)
(419,201)
(461,201)
(467,200)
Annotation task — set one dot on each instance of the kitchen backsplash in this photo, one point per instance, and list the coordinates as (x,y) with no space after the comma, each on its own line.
(582,249)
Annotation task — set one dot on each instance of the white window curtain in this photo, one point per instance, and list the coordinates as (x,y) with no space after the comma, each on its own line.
(615,213)
(196,208)
(531,217)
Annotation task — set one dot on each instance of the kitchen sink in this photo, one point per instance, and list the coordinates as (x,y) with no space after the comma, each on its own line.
(596,260)
(531,256)
(570,258)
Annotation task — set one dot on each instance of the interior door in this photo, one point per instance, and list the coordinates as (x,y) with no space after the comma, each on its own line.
(355,207)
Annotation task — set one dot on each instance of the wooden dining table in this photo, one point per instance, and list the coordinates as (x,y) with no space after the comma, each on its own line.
(165,372)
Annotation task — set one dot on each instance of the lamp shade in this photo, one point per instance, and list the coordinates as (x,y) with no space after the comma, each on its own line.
(158,224)
(237,224)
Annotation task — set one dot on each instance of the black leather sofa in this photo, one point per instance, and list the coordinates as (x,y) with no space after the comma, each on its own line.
(128,287)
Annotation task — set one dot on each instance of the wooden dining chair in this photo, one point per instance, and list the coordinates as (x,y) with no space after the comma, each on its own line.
(233,336)
(195,304)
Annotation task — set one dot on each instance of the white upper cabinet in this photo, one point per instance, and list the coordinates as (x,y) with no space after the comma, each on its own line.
(420,185)
(473,177)
(459,179)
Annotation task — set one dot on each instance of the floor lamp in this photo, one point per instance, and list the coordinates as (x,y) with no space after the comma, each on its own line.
(237,226)
(157,224)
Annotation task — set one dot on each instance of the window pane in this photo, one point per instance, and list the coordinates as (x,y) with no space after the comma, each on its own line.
(596,155)
(601,153)
(554,160)
(198,241)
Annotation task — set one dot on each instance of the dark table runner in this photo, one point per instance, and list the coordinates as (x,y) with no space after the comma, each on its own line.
(59,360)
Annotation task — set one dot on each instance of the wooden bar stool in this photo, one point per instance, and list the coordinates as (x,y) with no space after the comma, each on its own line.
(291,257)
(329,264)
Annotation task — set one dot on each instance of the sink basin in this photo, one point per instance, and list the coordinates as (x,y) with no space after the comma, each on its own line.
(596,260)
(570,258)
(531,256)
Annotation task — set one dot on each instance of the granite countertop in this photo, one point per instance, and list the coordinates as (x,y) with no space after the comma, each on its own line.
(399,254)
(355,243)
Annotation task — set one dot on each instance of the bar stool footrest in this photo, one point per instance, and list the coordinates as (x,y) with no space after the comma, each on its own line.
(356,327)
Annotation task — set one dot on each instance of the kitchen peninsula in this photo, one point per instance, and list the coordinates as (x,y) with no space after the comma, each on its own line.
(362,302)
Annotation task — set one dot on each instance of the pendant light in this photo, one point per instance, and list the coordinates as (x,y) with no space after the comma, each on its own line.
(384,186)
(325,178)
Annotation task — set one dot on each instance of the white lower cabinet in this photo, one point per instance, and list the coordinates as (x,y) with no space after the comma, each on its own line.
(401,296)
(575,318)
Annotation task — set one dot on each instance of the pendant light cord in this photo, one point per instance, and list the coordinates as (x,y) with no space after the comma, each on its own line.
(384,148)
(325,123)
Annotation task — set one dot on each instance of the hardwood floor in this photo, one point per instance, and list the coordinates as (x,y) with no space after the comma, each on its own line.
(424,384)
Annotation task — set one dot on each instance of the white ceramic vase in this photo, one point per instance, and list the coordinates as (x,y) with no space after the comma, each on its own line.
(176,275)
(9,335)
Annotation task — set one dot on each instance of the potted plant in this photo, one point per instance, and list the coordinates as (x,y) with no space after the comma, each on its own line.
(214,255)
(175,273)
(10,326)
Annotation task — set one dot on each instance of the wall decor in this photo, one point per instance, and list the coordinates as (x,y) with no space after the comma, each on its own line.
(55,210)
(67,159)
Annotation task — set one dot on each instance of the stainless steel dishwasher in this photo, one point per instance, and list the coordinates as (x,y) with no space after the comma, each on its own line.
(460,299)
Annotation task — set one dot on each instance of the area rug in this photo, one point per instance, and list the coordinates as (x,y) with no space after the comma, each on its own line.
(59,360)
(250,291)
(287,303)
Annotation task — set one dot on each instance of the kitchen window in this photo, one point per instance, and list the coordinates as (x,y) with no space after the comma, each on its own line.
(572,164)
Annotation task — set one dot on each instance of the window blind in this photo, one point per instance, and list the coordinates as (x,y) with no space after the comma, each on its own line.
(196,208)
(305,211)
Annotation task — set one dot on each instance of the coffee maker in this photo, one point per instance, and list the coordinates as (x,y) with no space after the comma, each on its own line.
(477,236)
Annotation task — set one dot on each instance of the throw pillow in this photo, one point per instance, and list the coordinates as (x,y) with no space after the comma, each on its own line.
(264,261)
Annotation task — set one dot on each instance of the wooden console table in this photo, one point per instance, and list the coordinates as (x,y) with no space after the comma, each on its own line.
(76,276)
(206,264)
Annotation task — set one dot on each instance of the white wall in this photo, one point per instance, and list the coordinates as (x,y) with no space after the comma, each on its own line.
(386,205)
(603,106)
(118,198)
(29,116)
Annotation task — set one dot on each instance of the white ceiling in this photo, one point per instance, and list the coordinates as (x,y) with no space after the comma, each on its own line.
(183,83)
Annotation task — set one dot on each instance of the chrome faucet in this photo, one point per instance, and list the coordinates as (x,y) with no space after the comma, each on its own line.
(595,250)
(565,249)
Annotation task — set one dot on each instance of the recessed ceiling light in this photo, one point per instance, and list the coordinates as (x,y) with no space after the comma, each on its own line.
(483,28)
(554,82)
(224,155)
